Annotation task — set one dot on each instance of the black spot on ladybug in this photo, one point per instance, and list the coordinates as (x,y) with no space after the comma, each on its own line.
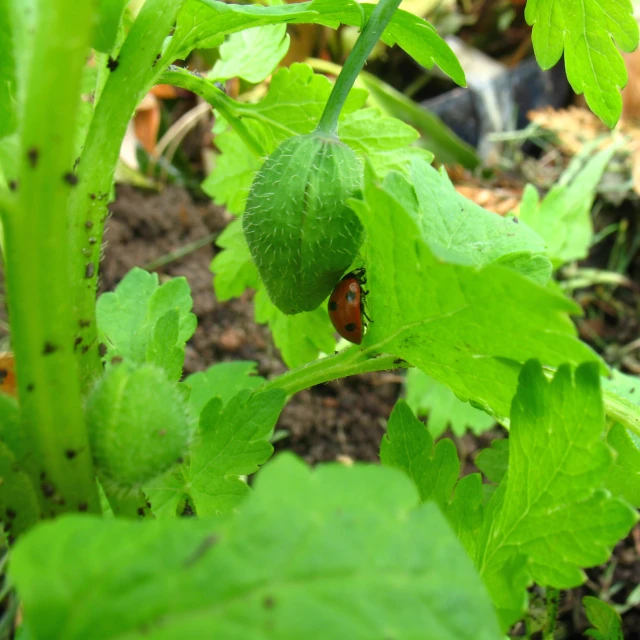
(77,342)
(83,506)
(33,154)
(47,489)
(102,349)
(13,185)
(49,348)
(88,224)
(71,179)
(84,323)
(89,270)
(333,305)
(349,328)
(11,514)
(3,374)
(112,64)
(140,511)
(70,454)
(268,602)
(116,360)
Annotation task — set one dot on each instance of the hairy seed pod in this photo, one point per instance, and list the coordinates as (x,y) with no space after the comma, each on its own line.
(138,425)
(300,231)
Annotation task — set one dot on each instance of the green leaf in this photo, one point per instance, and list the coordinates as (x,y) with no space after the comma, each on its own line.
(550,516)
(202,21)
(563,218)
(383,140)
(8,85)
(252,54)
(469,329)
(229,183)
(138,320)
(624,478)
(465,512)
(605,619)
(434,134)
(11,429)
(336,552)
(586,32)
(494,461)
(408,446)
(222,381)
(109,17)
(230,443)
(622,399)
(464,232)
(18,502)
(301,337)
(162,349)
(426,396)
(233,269)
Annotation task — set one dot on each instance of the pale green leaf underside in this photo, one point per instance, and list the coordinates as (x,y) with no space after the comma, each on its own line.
(469,329)
(252,54)
(337,552)
(588,32)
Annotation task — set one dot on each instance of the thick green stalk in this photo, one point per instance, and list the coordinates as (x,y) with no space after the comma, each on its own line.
(373,29)
(133,73)
(39,285)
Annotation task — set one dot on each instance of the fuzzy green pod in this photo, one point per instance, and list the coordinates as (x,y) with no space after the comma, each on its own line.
(138,424)
(300,231)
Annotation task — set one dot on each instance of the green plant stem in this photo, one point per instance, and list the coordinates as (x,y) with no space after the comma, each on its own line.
(39,282)
(219,100)
(553,601)
(349,362)
(373,29)
(134,72)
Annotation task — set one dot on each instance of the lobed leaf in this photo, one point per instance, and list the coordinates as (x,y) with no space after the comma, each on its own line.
(336,552)
(231,442)
(470,329)
(550,517)
(252,54)
(202,22)
(427,396)
(494,461)
(586,32)
(144,322)
(223,380)
(563,218)
(624,479)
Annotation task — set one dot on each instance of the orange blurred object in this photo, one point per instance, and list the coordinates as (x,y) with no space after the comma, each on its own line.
(7,374)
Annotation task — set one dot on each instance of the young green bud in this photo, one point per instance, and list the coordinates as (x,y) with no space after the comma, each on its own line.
(138,424)
(300,231)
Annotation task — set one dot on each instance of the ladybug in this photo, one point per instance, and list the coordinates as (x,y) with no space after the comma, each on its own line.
(346,306)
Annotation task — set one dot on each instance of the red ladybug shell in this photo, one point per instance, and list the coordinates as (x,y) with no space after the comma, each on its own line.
(345,308)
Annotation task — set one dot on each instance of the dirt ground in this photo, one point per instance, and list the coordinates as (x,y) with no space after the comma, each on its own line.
(327,422)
